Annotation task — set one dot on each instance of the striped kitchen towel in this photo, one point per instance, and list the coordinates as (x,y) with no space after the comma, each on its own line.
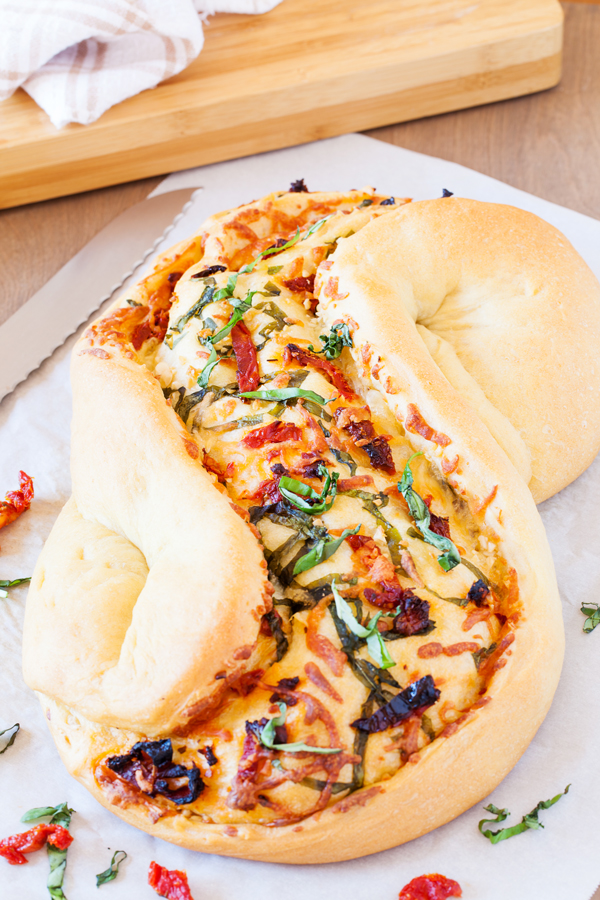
(77,58)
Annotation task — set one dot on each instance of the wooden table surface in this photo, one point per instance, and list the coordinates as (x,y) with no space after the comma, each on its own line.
(547,144)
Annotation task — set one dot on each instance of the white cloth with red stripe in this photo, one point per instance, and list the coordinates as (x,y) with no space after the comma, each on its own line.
(77,58)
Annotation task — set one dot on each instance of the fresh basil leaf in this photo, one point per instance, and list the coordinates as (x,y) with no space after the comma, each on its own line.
(11,738)
(529,821)
(335,341)
(592,611)
(212,361)
(284,394)
(366,202)
(323,550)
(133,303)
(113,870)
(450,557)
(267,737)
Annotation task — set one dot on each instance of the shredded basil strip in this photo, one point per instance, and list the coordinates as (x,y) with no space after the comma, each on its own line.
(60,815)
(227,291)
(323,550)
(450,557)
(375,645)
(528,821)
(294,491)
(342,457)
(359,747)
(392,535)
(240,308)
(592,611)
(113,870)
(271,288)
(11,739)
(284,394)
(212,361)
(234,424)
(316,226)
(4,585)
(371,676)
(335,341)
(267,737)
(206,297)
(482,654)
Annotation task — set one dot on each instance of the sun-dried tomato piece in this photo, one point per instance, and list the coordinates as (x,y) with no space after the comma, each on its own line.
(289,684)
(430,887)
(439,525)
(418,696)
(274,433)
(298,187)
(268,492)
(169,883)
(332,373)
(149,767)
(413,617)
(12,848)
(301,284)
(211,270)
(16,502)
(246,358)
(478,592)
(376,447)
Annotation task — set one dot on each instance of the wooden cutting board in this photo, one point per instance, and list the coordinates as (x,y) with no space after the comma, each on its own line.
(309,69)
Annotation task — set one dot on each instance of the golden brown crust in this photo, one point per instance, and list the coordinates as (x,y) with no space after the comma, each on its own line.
(506,307)
(137,486)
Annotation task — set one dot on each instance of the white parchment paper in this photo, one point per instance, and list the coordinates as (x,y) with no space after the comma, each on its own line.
(562,862)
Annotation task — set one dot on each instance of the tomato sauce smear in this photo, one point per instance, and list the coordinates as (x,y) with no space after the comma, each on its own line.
(430,887)
(169,883)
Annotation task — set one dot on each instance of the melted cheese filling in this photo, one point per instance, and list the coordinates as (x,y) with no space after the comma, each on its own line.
(453,650)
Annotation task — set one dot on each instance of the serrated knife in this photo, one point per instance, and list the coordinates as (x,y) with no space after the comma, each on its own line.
(78,289)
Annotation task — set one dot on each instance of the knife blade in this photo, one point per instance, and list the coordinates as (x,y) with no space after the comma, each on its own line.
(56,311)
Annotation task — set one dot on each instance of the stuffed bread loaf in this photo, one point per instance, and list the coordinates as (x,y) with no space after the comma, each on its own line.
(262,626)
